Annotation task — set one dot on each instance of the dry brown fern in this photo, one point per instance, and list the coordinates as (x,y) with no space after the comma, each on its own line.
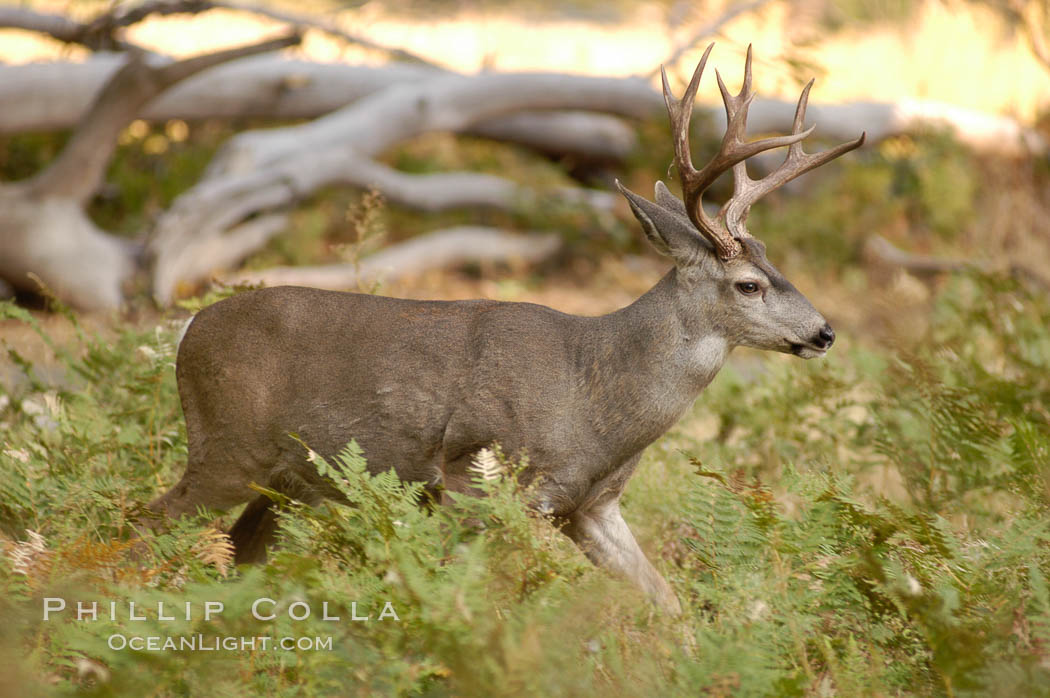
(101,559)
(30,557)
(486,464)
(213,547)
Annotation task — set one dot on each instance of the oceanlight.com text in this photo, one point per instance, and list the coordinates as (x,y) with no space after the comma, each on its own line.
(227,643)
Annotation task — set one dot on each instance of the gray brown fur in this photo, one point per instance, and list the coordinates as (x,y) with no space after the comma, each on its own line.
(423,385)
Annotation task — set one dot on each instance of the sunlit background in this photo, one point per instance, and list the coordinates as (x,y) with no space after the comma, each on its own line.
(960,52)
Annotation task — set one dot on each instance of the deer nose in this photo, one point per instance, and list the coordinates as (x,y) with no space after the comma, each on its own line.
(826,337)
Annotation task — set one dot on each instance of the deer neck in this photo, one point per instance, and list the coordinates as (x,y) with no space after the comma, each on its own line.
(653,359)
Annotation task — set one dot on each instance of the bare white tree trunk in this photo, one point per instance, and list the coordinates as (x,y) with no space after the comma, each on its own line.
(45,236)
(47,96)
(450,102)
(50,238)
(882,120)
(260,171)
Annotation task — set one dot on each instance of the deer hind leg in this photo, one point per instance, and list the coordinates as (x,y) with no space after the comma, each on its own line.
(605,539)
(254,532)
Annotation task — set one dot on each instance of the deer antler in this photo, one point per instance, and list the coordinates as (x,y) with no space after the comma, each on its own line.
(725,229)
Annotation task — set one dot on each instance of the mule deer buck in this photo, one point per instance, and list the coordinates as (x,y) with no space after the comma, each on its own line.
(424,385)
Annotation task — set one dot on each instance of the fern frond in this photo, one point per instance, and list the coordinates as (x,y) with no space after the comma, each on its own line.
(486,464)
(214,548)
(97,557)
(30,558)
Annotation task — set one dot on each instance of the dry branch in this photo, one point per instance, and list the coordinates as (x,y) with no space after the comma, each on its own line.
(60,28)
(80,168)
(444,103)
(100,34)
(443,191)
(44,230)
(259,171)
(46,96)
(436,250)
(881,250)
(54,95)
(576,133)
(57,26)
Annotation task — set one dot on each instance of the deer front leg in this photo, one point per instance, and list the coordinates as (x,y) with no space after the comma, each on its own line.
(602,534)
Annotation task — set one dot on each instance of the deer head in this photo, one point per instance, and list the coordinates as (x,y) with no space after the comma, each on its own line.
(722,271)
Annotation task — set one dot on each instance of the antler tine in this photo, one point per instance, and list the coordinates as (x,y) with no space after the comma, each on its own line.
(747,191)
(737,105)
(734,149)
(679,112)
(694,182)
(725,230)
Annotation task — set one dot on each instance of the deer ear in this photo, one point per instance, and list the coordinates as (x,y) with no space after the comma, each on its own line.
(665,198)
(667,227)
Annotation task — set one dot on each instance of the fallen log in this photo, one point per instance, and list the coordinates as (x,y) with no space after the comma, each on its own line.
(440,249)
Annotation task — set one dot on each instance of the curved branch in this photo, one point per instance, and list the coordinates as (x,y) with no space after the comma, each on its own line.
(586,134)
(57,26)
(100,34)
(44,96)
(80,168)
(443,191)
(443,103)
(189,231)
(60,28)
(435,250)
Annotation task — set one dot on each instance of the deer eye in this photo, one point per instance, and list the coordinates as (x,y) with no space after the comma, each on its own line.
(748,288)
